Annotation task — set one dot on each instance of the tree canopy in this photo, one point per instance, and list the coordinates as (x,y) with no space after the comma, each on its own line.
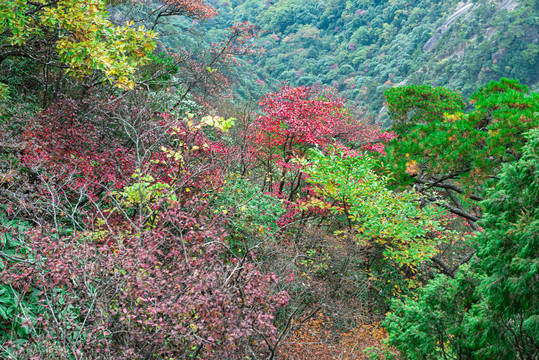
(162,196)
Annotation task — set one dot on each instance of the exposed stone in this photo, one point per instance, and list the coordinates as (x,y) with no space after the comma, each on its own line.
(508,5)
(431,43)
(499,55)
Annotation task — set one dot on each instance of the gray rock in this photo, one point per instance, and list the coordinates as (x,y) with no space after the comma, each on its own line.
(431,43)
(497,56)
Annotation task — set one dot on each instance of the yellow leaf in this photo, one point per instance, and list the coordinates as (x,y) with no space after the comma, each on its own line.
(412,168)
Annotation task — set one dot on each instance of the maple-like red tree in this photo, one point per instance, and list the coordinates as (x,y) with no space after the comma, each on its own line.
(298,118)
(295,119)
(68,144)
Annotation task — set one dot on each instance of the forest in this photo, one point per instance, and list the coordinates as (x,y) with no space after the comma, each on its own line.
(279,179)
(363,47)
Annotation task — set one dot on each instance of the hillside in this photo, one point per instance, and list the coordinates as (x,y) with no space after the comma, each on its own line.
(164,196)
(365,47)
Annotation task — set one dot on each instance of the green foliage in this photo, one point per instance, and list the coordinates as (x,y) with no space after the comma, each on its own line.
(437,138)
(4,92)
(163,65)
(16,103)
(251,212)
(86,41)
(145,192)
(433,326)
(354,189)
(18,311)
(506,323)
(420,105)
(489,311)
(384,42)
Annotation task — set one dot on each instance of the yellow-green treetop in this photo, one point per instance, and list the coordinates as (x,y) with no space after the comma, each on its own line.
(83,37)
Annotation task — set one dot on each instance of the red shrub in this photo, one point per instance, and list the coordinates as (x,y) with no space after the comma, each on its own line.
(174,291)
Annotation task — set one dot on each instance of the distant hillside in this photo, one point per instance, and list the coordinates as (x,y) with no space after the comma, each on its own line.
(363,47)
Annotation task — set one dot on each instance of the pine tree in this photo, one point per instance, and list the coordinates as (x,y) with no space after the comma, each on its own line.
(491,310)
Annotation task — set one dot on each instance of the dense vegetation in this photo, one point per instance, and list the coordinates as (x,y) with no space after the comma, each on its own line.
(488,310)
(364,47)
(147,211)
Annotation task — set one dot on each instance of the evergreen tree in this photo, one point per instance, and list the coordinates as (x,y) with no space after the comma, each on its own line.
(489,311)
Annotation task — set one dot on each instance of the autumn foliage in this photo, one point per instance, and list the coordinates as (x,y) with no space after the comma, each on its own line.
(317,340)
(172,291)
(297,119)
(137,221)
(64,143)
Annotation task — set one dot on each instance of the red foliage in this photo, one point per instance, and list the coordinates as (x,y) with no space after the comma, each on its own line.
(297,118)
(174,291)
(82,158)
(66,144)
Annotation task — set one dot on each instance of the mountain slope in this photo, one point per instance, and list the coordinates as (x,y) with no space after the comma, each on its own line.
(363,47)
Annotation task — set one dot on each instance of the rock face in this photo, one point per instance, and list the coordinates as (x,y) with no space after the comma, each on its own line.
(508,5)
(116,16)
(443,29)
(497,56)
